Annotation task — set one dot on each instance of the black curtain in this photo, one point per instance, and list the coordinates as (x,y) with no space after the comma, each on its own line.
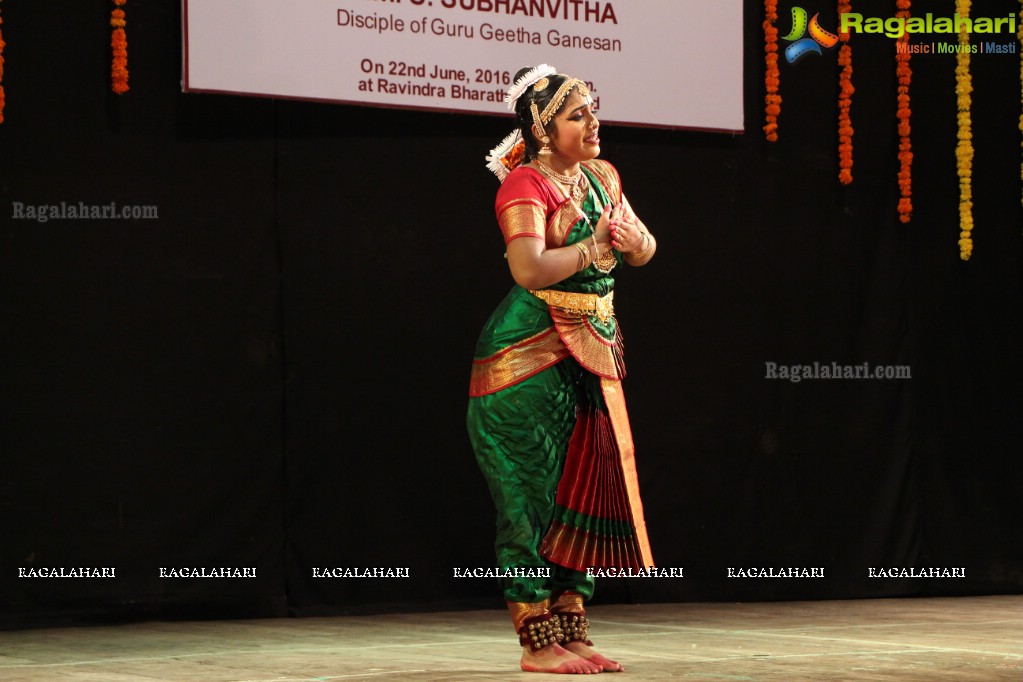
(272,374)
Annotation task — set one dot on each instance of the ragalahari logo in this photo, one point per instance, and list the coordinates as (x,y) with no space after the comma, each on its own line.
(802,46)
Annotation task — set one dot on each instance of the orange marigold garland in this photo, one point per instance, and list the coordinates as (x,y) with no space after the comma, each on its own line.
(905,75)
(845,93)
(772,78)
(964,150)
(119,44)
(3,98)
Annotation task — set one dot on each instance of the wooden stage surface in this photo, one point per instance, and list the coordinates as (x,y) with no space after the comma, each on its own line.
(967,639)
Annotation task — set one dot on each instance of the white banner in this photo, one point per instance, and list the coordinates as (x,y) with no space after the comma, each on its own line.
(670,63)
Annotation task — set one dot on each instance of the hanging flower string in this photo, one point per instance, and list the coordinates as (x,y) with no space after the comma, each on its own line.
(964,150)
(845,93)
(772,78)
(119,44)
(2,96)
(1019,36)
(905,75)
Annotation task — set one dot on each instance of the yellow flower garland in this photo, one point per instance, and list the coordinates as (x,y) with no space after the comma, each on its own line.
(119,46)
(964,150)
(3,98)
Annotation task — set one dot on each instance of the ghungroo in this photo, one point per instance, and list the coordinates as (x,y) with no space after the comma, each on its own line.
(541,631)
(575,627)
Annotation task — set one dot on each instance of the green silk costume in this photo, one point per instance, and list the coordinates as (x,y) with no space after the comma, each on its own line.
(539,369)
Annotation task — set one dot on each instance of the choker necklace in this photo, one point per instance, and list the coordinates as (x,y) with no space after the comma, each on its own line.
(554,175)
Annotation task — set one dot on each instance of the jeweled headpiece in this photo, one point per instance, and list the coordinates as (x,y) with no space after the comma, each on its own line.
(559,98)
(529,79)
(506,156)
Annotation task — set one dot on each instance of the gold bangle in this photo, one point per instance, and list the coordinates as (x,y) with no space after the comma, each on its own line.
(585,252)
(647,239)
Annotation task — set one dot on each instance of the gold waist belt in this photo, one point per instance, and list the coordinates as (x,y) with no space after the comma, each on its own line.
(590,305)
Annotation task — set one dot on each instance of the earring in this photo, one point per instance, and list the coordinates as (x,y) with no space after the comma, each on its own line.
(539,131)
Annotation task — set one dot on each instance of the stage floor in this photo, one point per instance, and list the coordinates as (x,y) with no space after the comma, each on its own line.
(964,639)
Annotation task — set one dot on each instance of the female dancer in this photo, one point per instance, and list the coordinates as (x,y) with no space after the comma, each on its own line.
(547,416)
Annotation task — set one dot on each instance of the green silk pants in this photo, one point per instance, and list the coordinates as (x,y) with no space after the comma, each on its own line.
(520,435)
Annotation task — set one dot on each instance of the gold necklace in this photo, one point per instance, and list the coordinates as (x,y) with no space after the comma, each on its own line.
(607,261)
(554,175)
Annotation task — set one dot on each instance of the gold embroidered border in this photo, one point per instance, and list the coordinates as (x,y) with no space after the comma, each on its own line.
(615,400)
(517,362)
(521,611)
(521,200)
(568,602)
(561,223)
(521,220)
(592,351)
(608,178)
(578,549)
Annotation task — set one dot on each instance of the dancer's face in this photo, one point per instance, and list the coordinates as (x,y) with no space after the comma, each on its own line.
(575,137)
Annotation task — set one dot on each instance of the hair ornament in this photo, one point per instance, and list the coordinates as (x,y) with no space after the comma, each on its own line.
(530,78)
(506,156)
(559,98)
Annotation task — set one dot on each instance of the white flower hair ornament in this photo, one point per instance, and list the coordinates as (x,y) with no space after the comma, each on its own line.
(528,79)
(503,158)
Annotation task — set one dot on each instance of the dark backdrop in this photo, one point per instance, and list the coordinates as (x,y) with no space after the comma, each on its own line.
(273,373)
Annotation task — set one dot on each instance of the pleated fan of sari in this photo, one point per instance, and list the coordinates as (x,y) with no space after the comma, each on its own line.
(595,524)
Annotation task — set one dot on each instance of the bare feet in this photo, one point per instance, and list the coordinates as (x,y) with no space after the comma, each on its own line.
(591,655)
(555,659)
